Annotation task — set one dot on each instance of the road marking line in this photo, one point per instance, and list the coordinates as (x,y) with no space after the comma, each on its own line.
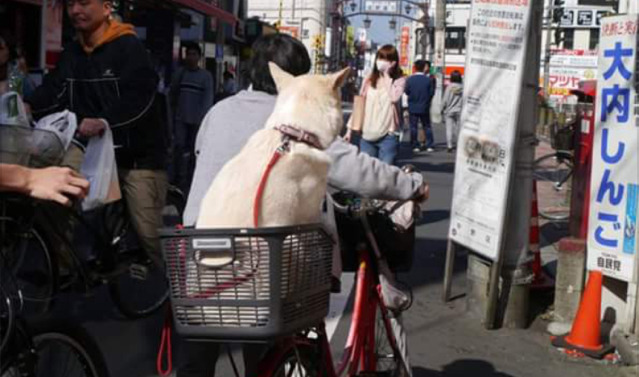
(338,304)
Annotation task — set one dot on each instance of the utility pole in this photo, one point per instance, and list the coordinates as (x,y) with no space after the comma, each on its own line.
(440,33)
(547,52)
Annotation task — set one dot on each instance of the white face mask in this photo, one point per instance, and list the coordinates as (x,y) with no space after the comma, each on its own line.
(383,66)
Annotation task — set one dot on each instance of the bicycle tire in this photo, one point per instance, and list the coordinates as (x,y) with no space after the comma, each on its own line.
(37,280)
(305,356)
(133,299)
(7,318)
(552,173)
(388,358)
(127,296)
(52,345)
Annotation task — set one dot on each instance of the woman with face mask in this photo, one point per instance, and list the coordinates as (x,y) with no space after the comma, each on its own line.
(382,90)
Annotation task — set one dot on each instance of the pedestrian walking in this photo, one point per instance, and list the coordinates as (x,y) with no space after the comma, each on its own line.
(381,90)
(452,108)
(191,97)
(420,91)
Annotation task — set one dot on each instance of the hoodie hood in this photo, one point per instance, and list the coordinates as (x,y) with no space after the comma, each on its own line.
(115,30)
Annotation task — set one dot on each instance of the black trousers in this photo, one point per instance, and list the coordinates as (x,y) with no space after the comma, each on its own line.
(198,359)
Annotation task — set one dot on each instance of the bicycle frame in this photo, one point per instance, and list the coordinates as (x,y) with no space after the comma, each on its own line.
(359,352)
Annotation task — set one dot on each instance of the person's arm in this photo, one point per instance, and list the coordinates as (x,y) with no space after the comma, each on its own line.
(51,96)
(53,183)
(138,84)
(369,177)
(407,87)
(397,89)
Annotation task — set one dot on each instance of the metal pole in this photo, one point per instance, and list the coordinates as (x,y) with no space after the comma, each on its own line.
(514,256)
(448,272)
(549,16)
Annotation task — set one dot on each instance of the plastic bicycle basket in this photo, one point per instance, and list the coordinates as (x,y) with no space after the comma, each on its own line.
(247,284)
(30,147)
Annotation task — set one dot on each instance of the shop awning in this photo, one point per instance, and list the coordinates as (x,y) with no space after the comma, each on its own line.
(209,10)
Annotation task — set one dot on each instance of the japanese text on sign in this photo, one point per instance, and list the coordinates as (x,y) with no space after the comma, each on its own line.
(613,216)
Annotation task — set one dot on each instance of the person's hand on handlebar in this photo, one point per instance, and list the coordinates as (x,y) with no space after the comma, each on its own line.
(424,193)
(57,184)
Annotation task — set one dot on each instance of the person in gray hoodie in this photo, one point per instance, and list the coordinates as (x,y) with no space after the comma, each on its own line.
(229,125)
(452,108)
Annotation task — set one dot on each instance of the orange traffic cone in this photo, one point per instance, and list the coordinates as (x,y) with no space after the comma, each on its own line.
(541,280)
(584,338)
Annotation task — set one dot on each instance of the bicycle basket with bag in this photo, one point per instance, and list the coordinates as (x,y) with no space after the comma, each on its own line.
(394,228)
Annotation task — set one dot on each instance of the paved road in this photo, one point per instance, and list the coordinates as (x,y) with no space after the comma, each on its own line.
(444,341)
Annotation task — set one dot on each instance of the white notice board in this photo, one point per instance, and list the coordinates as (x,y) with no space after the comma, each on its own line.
(486,147)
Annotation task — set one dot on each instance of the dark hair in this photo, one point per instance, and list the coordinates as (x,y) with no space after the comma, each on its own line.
(428,63)
(456,76)
(227,75)
(282,49)
(420,65)
(194,47)
(386,52)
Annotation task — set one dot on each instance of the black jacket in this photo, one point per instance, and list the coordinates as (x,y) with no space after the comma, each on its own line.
(115,82)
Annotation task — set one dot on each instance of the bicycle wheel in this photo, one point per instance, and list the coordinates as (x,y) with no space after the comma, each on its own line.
(28,262)
(553,174)
(388,355)
(7,317)
(58,352)
(141,290)
(301,361)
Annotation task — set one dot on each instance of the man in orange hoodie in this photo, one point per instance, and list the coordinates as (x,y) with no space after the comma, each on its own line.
(106,78)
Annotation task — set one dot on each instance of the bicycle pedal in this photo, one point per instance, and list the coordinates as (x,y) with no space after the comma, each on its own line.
(138,271)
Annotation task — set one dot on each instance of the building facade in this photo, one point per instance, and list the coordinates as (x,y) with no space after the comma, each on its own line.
(306,20)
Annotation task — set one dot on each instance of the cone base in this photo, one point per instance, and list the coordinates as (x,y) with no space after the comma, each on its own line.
(598,353)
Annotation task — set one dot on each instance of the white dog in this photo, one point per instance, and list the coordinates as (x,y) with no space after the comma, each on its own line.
(307,118)
(296,185)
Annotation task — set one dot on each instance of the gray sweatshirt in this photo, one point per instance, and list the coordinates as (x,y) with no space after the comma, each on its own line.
(452,101)
(231,122)
(195,91)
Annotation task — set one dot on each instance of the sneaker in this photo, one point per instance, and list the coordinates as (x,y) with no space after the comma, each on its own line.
(416,150)
(430,150)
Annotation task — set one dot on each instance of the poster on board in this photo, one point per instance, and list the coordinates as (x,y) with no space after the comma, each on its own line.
(486,145)
(612,225)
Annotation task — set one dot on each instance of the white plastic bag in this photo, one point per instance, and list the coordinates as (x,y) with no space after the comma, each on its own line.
(12,110)
(100,169)
(63,124)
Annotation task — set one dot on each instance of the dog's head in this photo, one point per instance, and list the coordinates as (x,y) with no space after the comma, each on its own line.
(309,102)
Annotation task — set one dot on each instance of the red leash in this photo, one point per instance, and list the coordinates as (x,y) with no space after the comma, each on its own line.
(165,344)
(279,152)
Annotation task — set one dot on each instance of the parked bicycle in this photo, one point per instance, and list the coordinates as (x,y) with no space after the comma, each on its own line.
(41,349)
(272,285)
(28,229)
(553,173)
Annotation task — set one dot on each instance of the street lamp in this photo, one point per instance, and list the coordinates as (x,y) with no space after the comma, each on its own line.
(353,6)
(392,24)
(408,8)
(367,22)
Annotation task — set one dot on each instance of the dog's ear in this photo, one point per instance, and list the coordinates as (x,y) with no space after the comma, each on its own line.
(338,79)
(280,76)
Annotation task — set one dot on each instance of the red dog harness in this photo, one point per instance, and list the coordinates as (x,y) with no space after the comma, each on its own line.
(289,133)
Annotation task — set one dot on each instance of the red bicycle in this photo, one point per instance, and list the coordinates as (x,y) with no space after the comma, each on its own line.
(272,285)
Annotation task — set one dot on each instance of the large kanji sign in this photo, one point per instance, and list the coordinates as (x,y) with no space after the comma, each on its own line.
(612,227)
